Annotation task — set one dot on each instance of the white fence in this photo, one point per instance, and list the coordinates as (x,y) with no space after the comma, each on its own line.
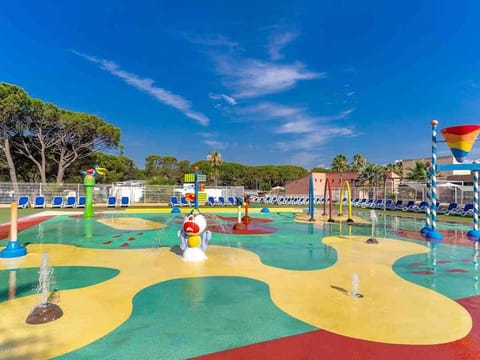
(138,193)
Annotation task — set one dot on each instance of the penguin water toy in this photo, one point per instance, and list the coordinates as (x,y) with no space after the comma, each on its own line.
(194,237)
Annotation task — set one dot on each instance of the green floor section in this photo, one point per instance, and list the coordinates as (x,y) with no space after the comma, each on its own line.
(66,277)
(450,270)
(179,319)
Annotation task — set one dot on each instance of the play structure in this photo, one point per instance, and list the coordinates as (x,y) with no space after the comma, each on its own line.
(194,236)
(346,186)
(460,140)
(89,183)
(344,190)
(13,248)
(330,200)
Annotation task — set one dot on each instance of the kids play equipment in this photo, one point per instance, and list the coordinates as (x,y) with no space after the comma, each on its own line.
(460,140)
(89,183)
(311,199)
(330,200)
(346,186)
(194,187)
(13,248)
(194,236)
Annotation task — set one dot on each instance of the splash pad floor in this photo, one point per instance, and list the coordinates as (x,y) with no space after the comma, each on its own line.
(257,296)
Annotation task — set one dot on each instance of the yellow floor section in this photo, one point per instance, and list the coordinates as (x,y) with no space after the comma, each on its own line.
(212,209)
(392,310)
(121,223)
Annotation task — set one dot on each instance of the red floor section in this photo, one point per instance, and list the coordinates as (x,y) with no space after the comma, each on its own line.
(254,227)
(453,237)
(322,344)
(22,224)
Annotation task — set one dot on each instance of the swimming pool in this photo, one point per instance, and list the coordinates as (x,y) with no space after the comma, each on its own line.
(126,293)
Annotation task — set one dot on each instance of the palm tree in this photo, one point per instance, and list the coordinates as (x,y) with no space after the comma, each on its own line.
(340,163)
(418,172)
(396,167)
(215,160)
(372,175)
(359,162)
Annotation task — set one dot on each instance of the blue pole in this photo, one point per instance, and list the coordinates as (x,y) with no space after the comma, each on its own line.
(434,234)
(427,226)
(474,234)
(311,207)
(196,187)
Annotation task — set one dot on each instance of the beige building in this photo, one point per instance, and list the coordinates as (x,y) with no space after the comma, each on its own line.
(441,160)
(301,185)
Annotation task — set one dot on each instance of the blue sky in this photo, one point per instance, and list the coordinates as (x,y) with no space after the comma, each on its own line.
(262,82)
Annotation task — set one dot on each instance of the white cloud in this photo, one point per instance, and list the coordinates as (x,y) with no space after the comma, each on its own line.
(215,144)
(250,78)
(214,40)
(350,93)
(147,85)
(296,127)
(342,115)
(210,140)
(269,111)
(278,42)
(227,98)
(301,132)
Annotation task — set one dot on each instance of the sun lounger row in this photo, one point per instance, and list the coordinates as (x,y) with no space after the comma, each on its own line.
(69,202)
(211,201)
(410,205)
(57,202)
(112,201)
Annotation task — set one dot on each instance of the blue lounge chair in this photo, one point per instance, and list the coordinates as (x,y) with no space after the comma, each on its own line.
(39,201)
(459,210)
(388,203)
(70,202)
(368,203)
(398,205)
(174,201)
(125,201)
(57,202)
(231,200)
(409,206)
(221,201)
(111,201)
(23,202)
(211,201)
(451,209)
(184,202)
(361,203)
(421,207)
(467,210)
(81,202)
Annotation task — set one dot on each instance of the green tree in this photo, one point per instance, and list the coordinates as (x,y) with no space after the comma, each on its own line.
(14,105)
(396,167)
(39,135)
(165,170)
(340,163)
(215,160)
(79,135)
(417,172)
(119,168)
(358,163)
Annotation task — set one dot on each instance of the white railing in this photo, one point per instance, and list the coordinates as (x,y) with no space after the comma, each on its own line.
(138,194)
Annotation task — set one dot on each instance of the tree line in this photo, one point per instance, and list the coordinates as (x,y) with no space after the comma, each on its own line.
(41,142)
